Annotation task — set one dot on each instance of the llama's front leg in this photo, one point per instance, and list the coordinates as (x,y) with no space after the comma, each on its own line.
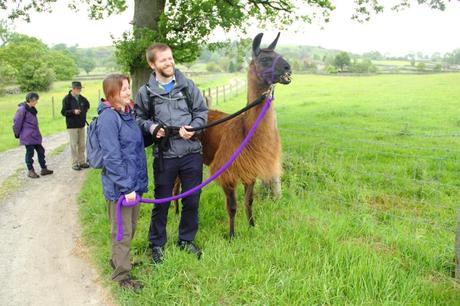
(248,199)
(231,209)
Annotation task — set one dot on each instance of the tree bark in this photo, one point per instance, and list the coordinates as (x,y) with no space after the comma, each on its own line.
(146,15)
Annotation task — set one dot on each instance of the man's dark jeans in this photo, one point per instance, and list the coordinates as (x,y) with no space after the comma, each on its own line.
(189,169)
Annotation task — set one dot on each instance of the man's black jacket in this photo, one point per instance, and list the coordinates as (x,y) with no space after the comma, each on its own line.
(69,105)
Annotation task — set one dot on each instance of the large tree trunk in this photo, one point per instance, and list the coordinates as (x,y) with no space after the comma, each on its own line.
(146,15)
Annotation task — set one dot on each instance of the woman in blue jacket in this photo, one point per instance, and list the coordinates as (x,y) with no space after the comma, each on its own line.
(124,169)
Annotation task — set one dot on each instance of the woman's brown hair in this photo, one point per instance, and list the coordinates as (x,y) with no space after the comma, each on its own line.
(112,86)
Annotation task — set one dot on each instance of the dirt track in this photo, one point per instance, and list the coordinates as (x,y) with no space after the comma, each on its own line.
(42,261)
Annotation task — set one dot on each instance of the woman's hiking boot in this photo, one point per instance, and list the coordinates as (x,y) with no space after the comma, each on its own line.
(131,284)
(46,171)
(32,174)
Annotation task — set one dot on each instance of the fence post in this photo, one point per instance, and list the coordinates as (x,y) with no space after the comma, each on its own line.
(209,92)
(217,95)
(98,95)
(52,106)
(223,87)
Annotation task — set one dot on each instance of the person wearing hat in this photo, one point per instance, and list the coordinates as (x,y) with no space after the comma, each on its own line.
(74,108)
(25,128)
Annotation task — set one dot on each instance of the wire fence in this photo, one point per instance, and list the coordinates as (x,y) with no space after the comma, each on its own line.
(220,94)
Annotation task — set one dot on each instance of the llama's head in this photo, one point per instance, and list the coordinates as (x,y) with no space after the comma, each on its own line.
(270,66)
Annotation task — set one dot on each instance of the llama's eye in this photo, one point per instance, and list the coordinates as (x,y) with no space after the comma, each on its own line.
(265,60)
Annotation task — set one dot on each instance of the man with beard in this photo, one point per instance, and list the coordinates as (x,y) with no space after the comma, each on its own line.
(170,99)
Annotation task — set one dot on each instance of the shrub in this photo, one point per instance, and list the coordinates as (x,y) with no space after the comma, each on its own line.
(364,66)
(331,69)
(421,66)
(212,67)
(35,76)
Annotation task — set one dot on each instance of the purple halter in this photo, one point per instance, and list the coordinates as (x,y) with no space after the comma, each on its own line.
(271,70)
(122,201)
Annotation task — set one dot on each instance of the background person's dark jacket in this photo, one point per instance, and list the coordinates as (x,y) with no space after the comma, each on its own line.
(69,104)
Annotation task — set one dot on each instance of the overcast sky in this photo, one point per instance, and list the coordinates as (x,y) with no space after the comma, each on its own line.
(416,29)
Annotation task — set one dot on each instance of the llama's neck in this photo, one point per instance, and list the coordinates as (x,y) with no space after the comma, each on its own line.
(256,88)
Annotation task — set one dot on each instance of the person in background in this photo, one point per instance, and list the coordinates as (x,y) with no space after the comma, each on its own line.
(176,102)
(74,108)
(26,128)
(124,169)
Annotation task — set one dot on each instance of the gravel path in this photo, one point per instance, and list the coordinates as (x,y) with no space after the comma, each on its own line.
(42,261)
(13,159)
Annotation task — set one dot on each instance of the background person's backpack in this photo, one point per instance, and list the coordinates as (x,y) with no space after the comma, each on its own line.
(93,148)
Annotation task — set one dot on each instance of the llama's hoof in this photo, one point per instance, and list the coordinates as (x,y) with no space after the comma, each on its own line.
(231,236)
(251,222)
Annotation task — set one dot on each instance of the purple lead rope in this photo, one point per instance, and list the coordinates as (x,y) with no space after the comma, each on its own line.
(122,200)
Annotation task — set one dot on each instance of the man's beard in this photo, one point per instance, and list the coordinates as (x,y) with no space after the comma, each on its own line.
(164,74)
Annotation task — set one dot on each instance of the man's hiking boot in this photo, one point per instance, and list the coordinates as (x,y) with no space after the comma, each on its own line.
(131,284)
(157,254)
(32,174)
(84,166)
(46,171)
(76,167)
(190,247)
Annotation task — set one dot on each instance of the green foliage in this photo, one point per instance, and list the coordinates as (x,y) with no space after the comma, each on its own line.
(88,65)
(7,74)
(421,66)
(187,29)
(232,67)
(35,75)
(363,66)
(5,32)
(331,69)
(213,67)
(373,55)
(437,68)
(34,64)
(341,60)
(295,65)
(309,65)
(452,58)
(62,64)
(130,49)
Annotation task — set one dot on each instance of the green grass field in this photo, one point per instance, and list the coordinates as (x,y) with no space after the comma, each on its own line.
(367,217)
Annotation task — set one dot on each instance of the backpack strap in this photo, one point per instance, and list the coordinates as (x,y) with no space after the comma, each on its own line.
(151,102)
(188,99)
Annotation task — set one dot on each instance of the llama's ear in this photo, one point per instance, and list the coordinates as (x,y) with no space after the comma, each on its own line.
(273,44)
(256,44)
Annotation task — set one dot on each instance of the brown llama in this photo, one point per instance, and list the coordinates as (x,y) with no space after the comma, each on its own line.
(261,157)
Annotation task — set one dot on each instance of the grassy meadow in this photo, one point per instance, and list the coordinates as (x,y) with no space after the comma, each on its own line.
(92,90)
(367,216)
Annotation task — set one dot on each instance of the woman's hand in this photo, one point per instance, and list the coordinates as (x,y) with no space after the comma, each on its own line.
(130,197)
